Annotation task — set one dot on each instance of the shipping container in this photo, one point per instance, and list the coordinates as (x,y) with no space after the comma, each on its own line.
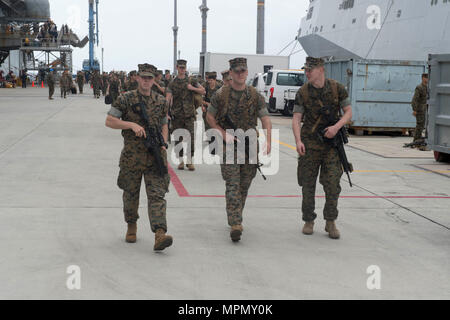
(380,91)
(439,106)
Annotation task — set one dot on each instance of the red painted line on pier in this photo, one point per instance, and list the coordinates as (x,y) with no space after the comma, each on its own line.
(183,193)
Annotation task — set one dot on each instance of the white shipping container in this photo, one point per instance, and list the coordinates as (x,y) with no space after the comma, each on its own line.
(220,62)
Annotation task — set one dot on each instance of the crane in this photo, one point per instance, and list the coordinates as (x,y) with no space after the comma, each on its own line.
(92,64)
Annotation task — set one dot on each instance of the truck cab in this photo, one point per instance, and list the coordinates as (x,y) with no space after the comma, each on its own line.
(278,82)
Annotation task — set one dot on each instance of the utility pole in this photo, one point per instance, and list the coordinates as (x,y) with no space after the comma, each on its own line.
(175,34)
(260,27)
(204,10)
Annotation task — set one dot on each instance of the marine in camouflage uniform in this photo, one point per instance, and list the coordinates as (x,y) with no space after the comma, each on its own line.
(51,83)
(318,155)
(65,83)
(183,111)
(419,105)
(105,83)
(159,85)
(114,87)
(136,161)
(244,107)
(212,86)
(131,84)
(226,78)
(80,81)
(167,78)
(96,82)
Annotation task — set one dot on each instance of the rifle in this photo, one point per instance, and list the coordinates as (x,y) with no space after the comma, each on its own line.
(247,143)
(338,141)
(154,139)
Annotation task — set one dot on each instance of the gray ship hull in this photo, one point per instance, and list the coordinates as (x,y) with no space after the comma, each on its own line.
(383,29)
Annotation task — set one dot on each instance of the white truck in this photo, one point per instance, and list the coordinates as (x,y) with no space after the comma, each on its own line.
(281,88)
(257,63)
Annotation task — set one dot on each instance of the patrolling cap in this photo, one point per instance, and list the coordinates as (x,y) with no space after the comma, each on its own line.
(226,75)
(159,72)
(146,70)
(425,75)
(167,72)
(238,64)
(133,73)
(211,75)
(181,63)
(312,63)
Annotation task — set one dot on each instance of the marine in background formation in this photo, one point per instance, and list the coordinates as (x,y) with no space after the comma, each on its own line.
(80,81)
(131,83)
(180,96)
(51,83)
(96,82)
(420,108)
(65,83)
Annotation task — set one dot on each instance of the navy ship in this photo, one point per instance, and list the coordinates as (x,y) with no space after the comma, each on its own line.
(376,29)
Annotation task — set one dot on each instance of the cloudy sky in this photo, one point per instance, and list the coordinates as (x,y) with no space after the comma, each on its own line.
(137,31)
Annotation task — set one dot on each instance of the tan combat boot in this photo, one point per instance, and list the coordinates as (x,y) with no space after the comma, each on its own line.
(181,166)
(131,233)
(308,228)
(333,232)
(162,241)
(236,232)
(190,167)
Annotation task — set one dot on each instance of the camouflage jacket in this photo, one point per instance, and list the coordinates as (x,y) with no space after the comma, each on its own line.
(65,81)
(80,78)
(50,79)
(130,85)
(126,108)
(96,80)
(156,89)
(114,89)
(243,107)
(210,92)
(183,98)
(309,101)
(419,102)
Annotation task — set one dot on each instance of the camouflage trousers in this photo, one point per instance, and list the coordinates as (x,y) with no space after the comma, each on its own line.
(129,181)
(96,89)
(187,124)
(80,87)
(238,178)
(51,90)
(63,92)
(324,158)
(420,120)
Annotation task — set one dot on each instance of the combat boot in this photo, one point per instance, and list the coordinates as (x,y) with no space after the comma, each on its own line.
(131,233)
(162,240)
(181,166)
(308,228)
(190,167)
(333,232)
(236,232)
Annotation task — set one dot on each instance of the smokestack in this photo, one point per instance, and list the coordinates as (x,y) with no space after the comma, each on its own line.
(204,10)
(260,27)
(175,34)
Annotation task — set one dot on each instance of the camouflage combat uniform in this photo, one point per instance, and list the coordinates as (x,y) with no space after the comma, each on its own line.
(130,86)
(51,84)
(114,85)
(419,105)
(319,155)
(65,83)
(183,111)
(96,84)
(105,82)
(208,96)
(136,161)
(80,81)
(244,109)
